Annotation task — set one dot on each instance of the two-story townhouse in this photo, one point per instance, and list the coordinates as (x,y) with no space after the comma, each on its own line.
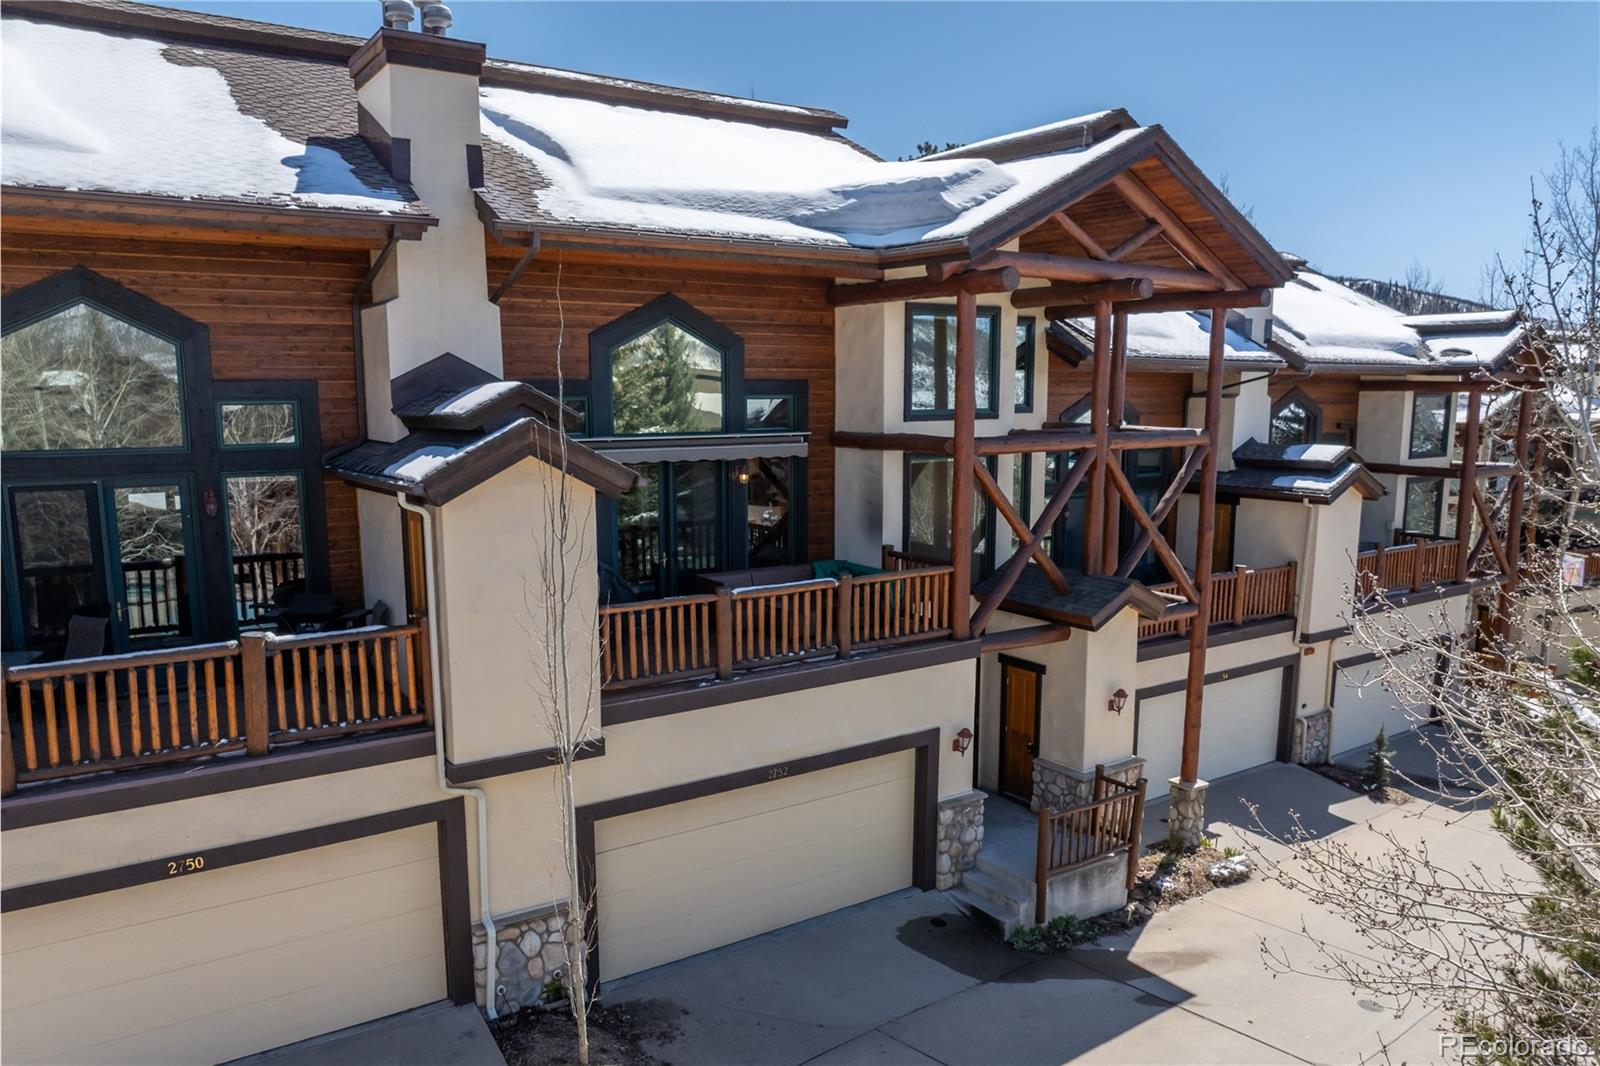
(304,337)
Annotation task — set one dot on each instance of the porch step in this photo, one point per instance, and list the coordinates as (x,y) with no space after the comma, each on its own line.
(993,903)
(1018,884)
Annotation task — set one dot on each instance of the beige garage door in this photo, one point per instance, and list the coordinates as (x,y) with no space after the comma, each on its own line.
(1238,729)
(213,965)
(1361,704)
(685,878)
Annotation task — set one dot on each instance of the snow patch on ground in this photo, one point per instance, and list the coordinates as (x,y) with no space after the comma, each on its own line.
(89,111)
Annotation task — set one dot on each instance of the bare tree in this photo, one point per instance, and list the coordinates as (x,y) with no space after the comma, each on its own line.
(566,648)
(1509,950)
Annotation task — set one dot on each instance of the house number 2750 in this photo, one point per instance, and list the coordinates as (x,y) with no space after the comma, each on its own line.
(192,864)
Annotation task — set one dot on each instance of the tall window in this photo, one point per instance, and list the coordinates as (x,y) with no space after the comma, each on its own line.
(667,380)
(82,379)
(1430,424)
(1295,420)
(1424,503)
(928,483)
(1022,490)
(931,362)
(1024,366)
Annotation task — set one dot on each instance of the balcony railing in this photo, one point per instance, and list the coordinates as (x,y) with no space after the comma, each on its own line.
(85,716)
(718,634)
(1238,596)
(1111,821)
(1412,566)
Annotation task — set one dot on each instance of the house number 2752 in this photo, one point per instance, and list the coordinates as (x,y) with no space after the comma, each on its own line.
(192,864)
(777,772)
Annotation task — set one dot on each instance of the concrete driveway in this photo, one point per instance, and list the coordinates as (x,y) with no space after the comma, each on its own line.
(907,979)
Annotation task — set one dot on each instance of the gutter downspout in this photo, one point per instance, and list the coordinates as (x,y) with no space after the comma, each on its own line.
(490,970)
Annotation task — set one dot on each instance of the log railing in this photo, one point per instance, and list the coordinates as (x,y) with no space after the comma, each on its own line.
(1238,596)
(83,716)
(717,634)
(895,560)
(1591,568)
(1111,821)
(1411,566)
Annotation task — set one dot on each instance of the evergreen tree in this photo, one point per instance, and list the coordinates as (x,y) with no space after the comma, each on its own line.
(1381,762)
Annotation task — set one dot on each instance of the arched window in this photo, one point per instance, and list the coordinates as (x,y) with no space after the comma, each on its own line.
(136,489)
(1296,419)
(665,369)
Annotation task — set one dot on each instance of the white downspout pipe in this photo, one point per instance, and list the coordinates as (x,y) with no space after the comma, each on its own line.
(481,801)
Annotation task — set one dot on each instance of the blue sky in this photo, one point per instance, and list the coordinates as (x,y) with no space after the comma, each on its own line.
(1364,136)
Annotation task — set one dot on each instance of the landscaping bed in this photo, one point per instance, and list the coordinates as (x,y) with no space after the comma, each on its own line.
(1356,781)
(547,1036)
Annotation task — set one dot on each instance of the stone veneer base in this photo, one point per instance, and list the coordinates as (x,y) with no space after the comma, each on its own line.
(959,837)
(1062,787)
(531,950)
(1186,812)
(1311,734)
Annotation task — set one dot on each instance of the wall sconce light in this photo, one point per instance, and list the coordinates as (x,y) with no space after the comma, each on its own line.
(208,503)
(962,742)
(741,473)
(1118,700)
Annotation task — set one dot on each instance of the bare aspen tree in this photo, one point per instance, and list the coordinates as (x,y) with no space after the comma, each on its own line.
(1508,949)
(564,655)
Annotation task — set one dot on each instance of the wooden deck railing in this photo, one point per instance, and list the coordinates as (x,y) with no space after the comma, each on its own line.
(1411,566)
(1112,820)
(1238,596)
(716,634)
(1591,568)
(895,560)
(82,716)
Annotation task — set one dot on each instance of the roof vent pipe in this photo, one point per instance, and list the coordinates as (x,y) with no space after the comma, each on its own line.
(436,18)
(398,14)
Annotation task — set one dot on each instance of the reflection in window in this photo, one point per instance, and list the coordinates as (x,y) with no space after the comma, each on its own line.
(1293,423)
(767,413)
(265,536)
(259,424)
(55,562)
(1021,484)
(639,530)
(1424,501)
(927,512)
(931,362)
(768,495)
(82,380)
(666,381)
(155,574)
(1024,371)
(1430,424)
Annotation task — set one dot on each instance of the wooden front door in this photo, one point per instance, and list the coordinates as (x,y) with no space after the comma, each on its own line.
(1020,685)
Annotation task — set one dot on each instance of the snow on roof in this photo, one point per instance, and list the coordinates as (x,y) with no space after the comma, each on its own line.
(86,110)
(613,165)
(1451,321)
(1085,122)
(1328,322)
(1473,348)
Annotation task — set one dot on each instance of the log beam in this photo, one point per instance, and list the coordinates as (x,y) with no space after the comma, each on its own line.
(1079,234)
(1084,292)
(1164,552)
(919,443)
(1468,487)
(1115,404)
(1514,517)
(1029,637)
(1164,505)
(999,279)
(1480,471)
(1076,268)
(1134,243)
(962,450)
(1018,526)
(1182,237)
(1168,302)
(1041,527)
(1099,395)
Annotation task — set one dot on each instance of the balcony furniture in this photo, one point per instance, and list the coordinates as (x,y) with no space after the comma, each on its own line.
(86,636)
(20,658)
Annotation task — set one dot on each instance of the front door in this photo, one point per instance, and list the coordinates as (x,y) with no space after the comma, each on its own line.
(59,560)
(1020,684)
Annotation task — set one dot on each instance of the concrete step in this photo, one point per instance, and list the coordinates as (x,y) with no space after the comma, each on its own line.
(1001,893)
(1017,882)
(983,911)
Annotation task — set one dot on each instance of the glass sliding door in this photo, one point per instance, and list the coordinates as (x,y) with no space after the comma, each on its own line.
(152,562)
(60,564)
(656,557)
(697,520)
(769,505)
(266,540)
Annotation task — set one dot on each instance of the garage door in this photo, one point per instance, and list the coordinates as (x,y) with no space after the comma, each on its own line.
(213,965)
(1361,704)
(1238,729)
(681,879)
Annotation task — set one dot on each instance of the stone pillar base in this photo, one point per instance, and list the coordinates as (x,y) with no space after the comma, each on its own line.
(959,837)
(1311,735)
(1186,812)
(530,949)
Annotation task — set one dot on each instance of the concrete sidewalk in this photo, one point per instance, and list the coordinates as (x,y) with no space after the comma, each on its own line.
(438,1035)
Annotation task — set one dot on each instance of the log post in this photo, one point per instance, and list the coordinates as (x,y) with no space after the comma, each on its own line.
(961,487)
(8,763)
(1116,401)
(1514,513)
(888,557)
(253,668)
(1469,482)
(1041,865)
(1205,535)
(844,635)
(1136,834)
(724,632)
(425,665)
(1377,565)
(1099,402)
(1416,564)
(1239,579)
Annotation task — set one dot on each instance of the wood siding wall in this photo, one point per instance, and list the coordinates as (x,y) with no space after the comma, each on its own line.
(1337,396)
(1156,395)
(785,321)
(275,312)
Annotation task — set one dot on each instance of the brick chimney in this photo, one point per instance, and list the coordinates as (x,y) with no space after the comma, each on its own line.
(418,108)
